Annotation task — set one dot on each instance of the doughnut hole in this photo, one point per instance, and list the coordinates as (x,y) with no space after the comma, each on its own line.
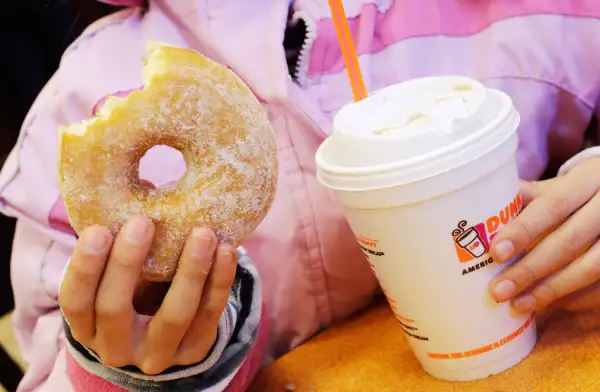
(162,165)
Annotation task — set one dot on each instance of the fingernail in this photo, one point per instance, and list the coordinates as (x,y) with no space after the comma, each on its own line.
(136,230)
(202,241)
(504,250)
(525,303)
(227,257)
(94,241)
(504,290)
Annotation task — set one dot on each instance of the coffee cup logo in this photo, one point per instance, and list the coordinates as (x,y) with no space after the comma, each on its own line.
(469,239)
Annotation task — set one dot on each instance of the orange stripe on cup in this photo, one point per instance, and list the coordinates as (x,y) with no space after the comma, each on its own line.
(485,349)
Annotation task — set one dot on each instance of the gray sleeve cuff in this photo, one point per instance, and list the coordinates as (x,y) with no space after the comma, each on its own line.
(592,152)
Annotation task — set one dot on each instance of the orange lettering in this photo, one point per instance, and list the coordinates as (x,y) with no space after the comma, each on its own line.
(367,242)
(514,208)
(492,224)
(504,216)
(487,348)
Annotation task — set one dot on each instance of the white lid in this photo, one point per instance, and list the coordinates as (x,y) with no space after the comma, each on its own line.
(413,130)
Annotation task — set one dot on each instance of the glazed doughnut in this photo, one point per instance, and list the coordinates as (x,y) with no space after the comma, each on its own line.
(196,106)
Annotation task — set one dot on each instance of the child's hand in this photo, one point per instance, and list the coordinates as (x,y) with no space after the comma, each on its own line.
(562,265)
(96,297)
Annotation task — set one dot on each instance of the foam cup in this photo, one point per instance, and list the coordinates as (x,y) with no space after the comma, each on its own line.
(426,172)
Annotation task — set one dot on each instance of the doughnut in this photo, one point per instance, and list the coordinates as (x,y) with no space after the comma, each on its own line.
(203,110)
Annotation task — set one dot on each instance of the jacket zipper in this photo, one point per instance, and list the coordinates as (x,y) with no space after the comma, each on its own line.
(303,62)
(301,73)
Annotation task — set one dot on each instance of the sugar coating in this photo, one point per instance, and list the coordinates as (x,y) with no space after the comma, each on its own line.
(207,113)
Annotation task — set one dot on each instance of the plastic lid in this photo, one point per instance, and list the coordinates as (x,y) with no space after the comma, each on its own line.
(413,130)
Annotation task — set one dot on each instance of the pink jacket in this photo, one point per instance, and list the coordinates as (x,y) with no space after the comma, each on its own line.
(542,53)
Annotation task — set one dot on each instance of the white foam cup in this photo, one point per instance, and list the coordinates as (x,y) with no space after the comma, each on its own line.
(426,172)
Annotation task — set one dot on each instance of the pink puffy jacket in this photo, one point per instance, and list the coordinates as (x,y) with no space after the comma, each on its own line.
(542,53)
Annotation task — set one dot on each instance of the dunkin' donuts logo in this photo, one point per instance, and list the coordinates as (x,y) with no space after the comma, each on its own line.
(470,243)
(473,241)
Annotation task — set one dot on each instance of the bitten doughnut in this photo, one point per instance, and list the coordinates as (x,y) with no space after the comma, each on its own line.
(193,105)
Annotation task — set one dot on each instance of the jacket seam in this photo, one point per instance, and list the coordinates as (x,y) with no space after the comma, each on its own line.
(112,20)
(324,309)
(43,265)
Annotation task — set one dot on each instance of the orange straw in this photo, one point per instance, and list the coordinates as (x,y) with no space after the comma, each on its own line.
(348,50)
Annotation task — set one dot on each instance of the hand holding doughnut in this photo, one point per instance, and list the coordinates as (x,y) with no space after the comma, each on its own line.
(97,298)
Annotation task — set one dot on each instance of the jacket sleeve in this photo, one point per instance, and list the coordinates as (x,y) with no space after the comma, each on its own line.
(588,153)
(44,242)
